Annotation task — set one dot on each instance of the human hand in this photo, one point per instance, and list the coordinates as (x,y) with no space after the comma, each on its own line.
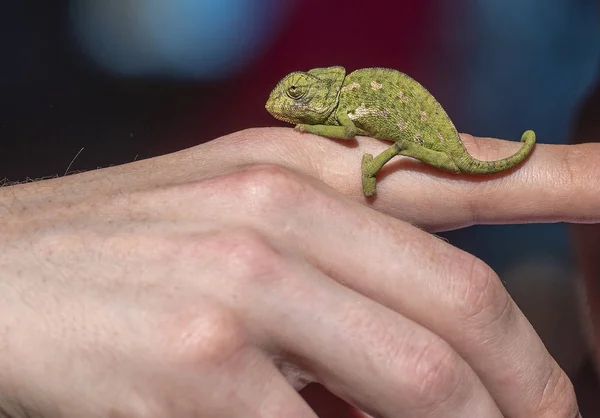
(184,285)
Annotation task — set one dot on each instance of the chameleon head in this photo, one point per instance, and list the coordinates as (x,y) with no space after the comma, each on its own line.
(306,97)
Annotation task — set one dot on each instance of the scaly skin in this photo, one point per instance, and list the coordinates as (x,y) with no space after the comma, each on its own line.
(384,104)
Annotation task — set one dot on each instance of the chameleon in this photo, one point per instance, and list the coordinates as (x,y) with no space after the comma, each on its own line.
(385,104)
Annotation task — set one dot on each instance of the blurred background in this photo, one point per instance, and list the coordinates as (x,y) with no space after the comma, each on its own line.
(117,80)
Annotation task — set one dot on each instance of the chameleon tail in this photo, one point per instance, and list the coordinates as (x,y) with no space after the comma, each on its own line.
(469,165)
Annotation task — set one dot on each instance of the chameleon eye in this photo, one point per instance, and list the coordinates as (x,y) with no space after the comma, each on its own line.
(295,92)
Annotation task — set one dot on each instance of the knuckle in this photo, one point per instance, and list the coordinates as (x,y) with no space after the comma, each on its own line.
(437,374)
(248,256)
(202,337)
(480,297)
(557,397)
(270,185)
(567,171)
(425,366)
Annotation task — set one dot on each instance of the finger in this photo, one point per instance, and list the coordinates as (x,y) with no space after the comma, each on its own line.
(264,392)
(246,385)
(556,183)
(463,301)
(363,352)
(438,286)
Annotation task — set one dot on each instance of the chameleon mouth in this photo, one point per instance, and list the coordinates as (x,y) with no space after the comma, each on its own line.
(282,118)
(278,114)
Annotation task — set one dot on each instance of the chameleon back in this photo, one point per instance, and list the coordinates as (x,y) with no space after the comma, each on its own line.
(391,105)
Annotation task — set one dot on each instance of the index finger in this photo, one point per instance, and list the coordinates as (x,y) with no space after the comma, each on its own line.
(557,183)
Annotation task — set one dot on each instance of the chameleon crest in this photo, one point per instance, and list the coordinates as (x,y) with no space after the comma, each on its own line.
(384,104)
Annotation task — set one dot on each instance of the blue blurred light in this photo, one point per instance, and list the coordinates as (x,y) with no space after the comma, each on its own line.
(531,64)
(176,38)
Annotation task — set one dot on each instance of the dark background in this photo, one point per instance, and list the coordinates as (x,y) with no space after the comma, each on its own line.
(113,81)
(132,79)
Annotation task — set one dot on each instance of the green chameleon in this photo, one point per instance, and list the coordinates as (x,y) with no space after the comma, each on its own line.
(384,104)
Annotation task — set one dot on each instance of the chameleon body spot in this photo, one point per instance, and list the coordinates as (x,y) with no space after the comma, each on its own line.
(364,111)
(350,87)
(331,103)
(361,111)
(375,85)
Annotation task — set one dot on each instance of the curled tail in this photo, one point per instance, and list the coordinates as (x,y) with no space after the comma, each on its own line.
(469,165)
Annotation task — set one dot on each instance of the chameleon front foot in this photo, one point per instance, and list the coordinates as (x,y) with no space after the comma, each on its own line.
(369,182)
(301,128)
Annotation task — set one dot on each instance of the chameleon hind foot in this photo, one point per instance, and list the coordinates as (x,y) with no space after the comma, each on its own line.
(371,165)
(369,182)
